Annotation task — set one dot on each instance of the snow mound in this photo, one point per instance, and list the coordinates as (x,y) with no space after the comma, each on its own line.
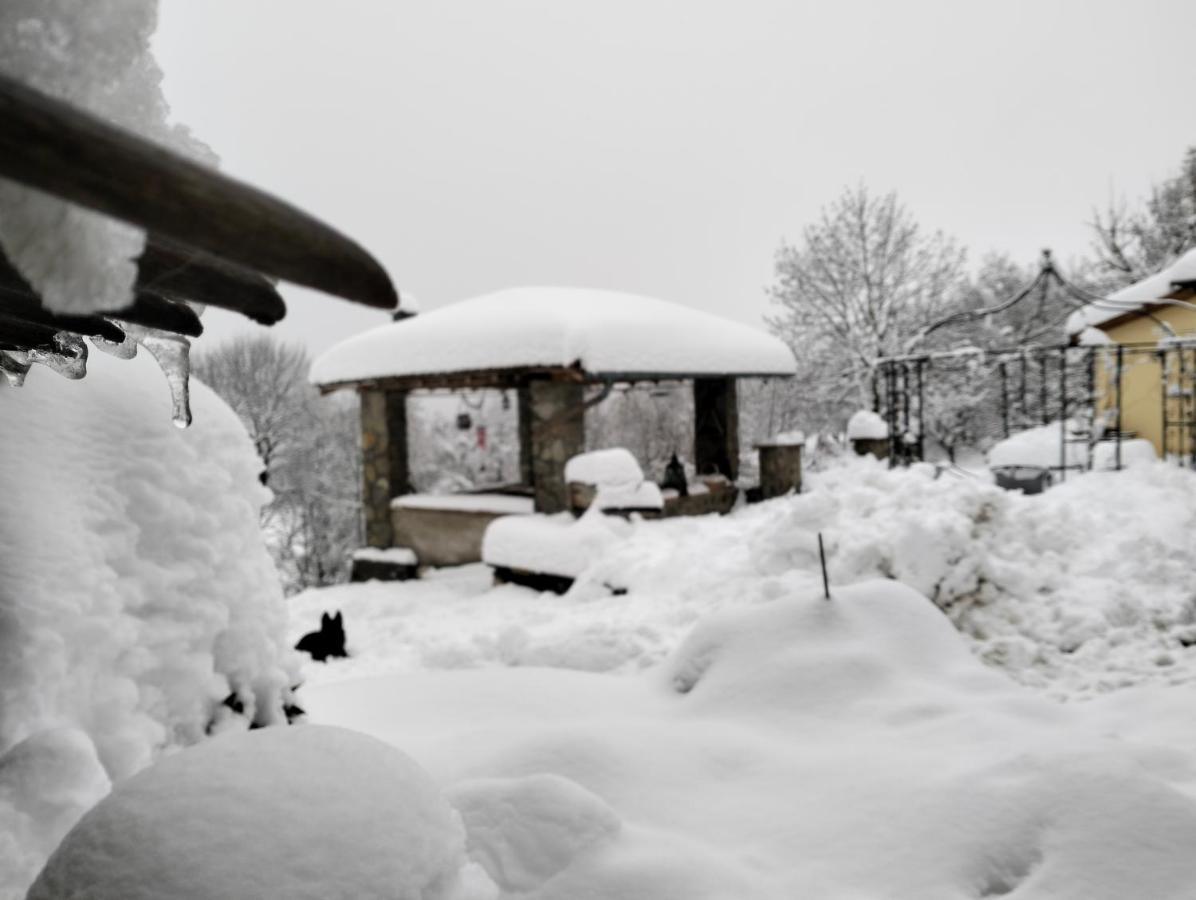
(600,468)
(551,545)
(867,641)
(135,590)
(95,56)
(302,812)
(1039,447)
(47,782)
(600,332)
(523,831)
(1134,452)
(865,425)
(800,747)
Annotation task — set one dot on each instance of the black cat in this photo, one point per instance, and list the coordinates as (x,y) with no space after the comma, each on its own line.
(328,641)
(674,477)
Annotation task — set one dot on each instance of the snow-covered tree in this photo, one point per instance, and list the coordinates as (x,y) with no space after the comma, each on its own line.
(1133,242)
(309,451)
(862,283)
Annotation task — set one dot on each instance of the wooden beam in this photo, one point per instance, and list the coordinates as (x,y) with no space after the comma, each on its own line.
(179,273)
(152,311)
(54,147)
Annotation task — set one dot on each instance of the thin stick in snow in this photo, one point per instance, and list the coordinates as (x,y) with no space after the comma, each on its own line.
(826,587)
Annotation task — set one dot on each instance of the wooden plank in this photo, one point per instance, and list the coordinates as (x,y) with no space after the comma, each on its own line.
(180,273)
(54,147)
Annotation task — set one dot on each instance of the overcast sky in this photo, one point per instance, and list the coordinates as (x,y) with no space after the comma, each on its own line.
(667,148)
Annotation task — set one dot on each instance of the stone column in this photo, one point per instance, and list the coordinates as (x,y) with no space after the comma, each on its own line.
(555,432)
(384,472)
(523,405)
(716,427)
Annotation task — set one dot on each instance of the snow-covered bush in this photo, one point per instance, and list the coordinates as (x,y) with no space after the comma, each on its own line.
(280,814)
(135,590)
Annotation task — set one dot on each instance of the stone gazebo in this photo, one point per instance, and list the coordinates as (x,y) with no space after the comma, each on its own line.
(549,345)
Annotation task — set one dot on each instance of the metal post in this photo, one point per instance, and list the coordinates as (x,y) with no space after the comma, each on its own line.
(1164,378)
(1025,405)
(1063,414)
(1042,388)
(904,411)
(891,411)
(1120,353)
(921,412)
(1091,395)
(1004,397)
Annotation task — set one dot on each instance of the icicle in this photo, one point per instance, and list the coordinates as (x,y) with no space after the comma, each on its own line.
(173,354)
(126,349)
(69,360)
(14,366)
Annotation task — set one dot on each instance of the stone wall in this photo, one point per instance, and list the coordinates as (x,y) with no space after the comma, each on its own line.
(384,473)
(554,429)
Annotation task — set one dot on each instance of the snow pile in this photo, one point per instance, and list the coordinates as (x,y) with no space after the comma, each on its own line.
(551,545)
(135,590)
(1136,297)
(600,332)
(1134,452)
(599,468)
(800,747)
(398,556)
(1080,590)
(499,504)
(617,478)
(290,813)
(785,439)
(96,56)
(865,425)
(1040,447)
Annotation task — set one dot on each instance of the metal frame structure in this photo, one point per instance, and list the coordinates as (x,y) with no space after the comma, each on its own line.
(1081,387)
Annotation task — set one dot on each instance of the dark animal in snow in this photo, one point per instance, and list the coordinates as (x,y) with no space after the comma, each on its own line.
(328,641)
(674,477)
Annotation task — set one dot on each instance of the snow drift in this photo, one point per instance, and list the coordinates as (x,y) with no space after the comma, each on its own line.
(135,590)
(798,747)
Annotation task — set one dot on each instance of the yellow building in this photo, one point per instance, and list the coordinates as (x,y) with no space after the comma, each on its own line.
(1147,333)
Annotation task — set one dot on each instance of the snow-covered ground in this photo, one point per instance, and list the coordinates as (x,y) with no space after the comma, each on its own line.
(1083,589)
(1012,721)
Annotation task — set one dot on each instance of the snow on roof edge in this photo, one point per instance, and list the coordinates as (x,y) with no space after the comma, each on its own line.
(603,333)
(1135,297)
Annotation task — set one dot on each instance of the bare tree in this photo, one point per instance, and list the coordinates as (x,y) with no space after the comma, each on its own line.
(1133,242)
(863,282)
(309,451)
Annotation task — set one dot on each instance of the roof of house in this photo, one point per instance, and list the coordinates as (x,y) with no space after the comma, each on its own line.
(1139,296)
(590,334)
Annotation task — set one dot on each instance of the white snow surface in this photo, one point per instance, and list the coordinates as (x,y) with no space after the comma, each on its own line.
(96,56)
(785,439)
(1139,295)
(602,332)
(612,467)
(506,504)
(1134,452)
(401,556)
(788,747)
(865,425)
(552,544)
(286,813)
(1039,447)
(617,477)
(1078,591)
(135,589)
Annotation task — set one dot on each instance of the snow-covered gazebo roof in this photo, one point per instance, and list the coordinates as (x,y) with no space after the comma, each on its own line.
(1157,288)
(587,334)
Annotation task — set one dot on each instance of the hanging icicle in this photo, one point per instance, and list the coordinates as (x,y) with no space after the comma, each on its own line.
(173,355)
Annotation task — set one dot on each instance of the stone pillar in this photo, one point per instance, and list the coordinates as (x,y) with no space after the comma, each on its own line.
(384,472)
(780,469)
(716,427)
(523,405)
(555,432)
